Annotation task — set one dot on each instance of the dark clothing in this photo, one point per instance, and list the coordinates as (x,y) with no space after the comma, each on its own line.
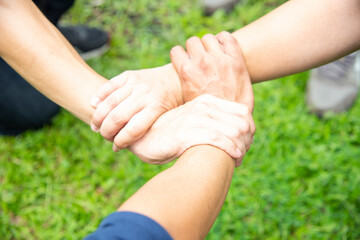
(22,107)
(54,9)
(129,226)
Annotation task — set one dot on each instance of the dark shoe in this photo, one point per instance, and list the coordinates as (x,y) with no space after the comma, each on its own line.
(89,42)
(335,86)
(211,6)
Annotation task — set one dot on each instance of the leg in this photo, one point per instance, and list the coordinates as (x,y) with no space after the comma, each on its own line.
(21,106)
(212,5)
(89,42)
(335,86)
(54,9)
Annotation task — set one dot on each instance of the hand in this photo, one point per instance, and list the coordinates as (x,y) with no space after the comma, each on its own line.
(215,66)
(205,120)
(130,103)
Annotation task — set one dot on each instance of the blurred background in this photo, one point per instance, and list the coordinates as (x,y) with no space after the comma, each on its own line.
(300,180)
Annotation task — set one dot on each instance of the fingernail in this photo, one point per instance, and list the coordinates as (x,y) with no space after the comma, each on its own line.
(238,152)
(115,148)
(95,101)
(94,128)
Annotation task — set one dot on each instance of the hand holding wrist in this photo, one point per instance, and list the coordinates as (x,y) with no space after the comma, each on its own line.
(128,105)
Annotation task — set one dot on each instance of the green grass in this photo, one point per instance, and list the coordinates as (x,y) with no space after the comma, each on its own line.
(301,179)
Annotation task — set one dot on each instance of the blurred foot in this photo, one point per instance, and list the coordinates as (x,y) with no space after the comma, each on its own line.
(211,6)
(334,87)
(89,42)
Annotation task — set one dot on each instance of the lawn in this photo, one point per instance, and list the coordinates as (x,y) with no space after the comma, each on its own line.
(300,180)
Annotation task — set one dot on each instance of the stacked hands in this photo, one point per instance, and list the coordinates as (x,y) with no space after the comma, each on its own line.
(204,97)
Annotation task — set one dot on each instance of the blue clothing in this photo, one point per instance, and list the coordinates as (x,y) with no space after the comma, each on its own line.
(129,226)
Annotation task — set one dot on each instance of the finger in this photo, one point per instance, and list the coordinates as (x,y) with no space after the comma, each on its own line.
(234,127)
(179,57)
(119,116)
(217,107)
(238,161)
(108,88)
(231,46)
(137,126)
(237,131)
(214,138)
(252,124)
(195,48)
(211,44)
(223,105)
(106,106)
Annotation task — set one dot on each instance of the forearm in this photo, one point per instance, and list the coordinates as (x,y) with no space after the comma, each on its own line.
(299,35)
(186,198)
(37,51)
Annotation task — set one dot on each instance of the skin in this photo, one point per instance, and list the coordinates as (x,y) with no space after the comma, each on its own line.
(38,58)
(42,58)
(201,73)
(185,209)
(275,45)
(299,35)
(339,18)
(204,120)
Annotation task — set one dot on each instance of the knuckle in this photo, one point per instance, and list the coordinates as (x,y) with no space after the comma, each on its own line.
(207,37)
(227,36)
(115,81)
(191,40)
(222,34)
(243,127)
(97,118)
(215,136)
(141,88)
(127,73)
(107,135)
(110,102)
(246,128)
(119,142)
(243,110)
(186,71)
(206,61)
(237,133)
(116,118)
(247,110)
(133,133)
(130,76)
(174,50)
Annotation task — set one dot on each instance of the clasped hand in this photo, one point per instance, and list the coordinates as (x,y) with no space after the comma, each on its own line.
(142,110)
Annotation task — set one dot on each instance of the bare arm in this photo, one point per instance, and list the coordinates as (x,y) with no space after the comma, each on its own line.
(203,174)
(36,50)
(299,35)
(186,198)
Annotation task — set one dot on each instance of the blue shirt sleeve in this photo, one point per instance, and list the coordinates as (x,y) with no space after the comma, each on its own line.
(129,226)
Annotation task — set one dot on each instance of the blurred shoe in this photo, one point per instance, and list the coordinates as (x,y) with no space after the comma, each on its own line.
(335,86)
(211,6)
(88,42)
